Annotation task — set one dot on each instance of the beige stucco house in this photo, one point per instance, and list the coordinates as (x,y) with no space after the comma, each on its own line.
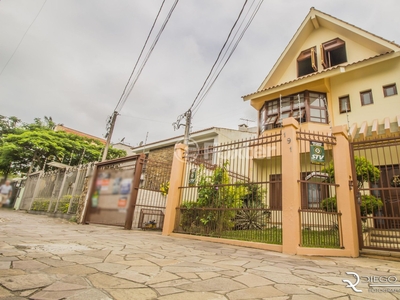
(201,141)
(332,73)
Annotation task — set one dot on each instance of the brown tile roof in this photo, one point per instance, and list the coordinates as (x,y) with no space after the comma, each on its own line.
(78,133)
(316,73)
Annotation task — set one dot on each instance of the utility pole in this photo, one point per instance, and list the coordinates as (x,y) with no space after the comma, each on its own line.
(188,115)
(109,134)
(177,125)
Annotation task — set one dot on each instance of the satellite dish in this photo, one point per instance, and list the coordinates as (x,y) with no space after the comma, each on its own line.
(141,143)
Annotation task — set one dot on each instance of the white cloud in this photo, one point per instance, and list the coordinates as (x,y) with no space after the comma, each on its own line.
(76,58)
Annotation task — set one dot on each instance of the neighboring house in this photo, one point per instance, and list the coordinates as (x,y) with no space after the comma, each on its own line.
(160,154)
(60,127)
(122,146)
(203,140)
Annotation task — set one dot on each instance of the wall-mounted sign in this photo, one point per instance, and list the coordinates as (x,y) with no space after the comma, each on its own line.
(317,153)
(192,176)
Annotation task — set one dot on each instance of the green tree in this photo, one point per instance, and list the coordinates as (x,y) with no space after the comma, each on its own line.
(365,171)
(217,200)
(28,148)
(9,125)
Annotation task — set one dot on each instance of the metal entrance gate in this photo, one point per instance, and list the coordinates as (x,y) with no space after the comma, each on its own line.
(129,192)
(376,175)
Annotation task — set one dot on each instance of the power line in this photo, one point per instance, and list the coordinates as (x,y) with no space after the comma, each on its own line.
(152,120)
(219,55)
(230,55)
(125,97)
(127,90)
(20,42)
(226,50)
(214,74)
(140,55)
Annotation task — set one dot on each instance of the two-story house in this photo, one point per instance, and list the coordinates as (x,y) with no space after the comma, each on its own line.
(333,73)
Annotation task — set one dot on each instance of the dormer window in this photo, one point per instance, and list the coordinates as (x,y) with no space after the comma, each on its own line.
(307,62)
(333,53)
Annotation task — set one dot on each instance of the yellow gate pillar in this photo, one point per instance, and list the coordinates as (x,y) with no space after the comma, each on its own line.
(177,171)
(344,194)
(291,197)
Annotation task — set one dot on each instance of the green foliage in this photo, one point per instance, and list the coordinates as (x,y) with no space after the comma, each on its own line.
(217,195)
(329,204)
(254,217)
(365,171)
(268,235)
(369,204)
(321,238)
(190,216)
(40,204)
(34,144)
(254,196)
(63,204)
(164,188)
(9,125)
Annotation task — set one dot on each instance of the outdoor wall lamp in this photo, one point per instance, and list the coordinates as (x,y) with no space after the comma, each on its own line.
(359,198)
(350,183)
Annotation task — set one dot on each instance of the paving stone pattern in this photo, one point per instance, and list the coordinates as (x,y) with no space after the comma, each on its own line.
(47,258)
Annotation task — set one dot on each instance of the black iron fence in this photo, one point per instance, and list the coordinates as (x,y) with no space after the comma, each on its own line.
(320,220)
(376,167)
(152,196)
(234,191)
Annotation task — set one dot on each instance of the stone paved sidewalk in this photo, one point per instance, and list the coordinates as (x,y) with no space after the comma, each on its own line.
(46,258)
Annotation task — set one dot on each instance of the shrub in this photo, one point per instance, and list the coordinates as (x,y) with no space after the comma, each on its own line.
(40,204)
(217,194)
(254,217)
(369,204)
(164,188)
(254,196)
(329,204)
(365,171)
(63,204)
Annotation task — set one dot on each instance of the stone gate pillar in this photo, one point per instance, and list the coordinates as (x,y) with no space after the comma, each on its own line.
(344,194)
(173,198)
(291,197)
